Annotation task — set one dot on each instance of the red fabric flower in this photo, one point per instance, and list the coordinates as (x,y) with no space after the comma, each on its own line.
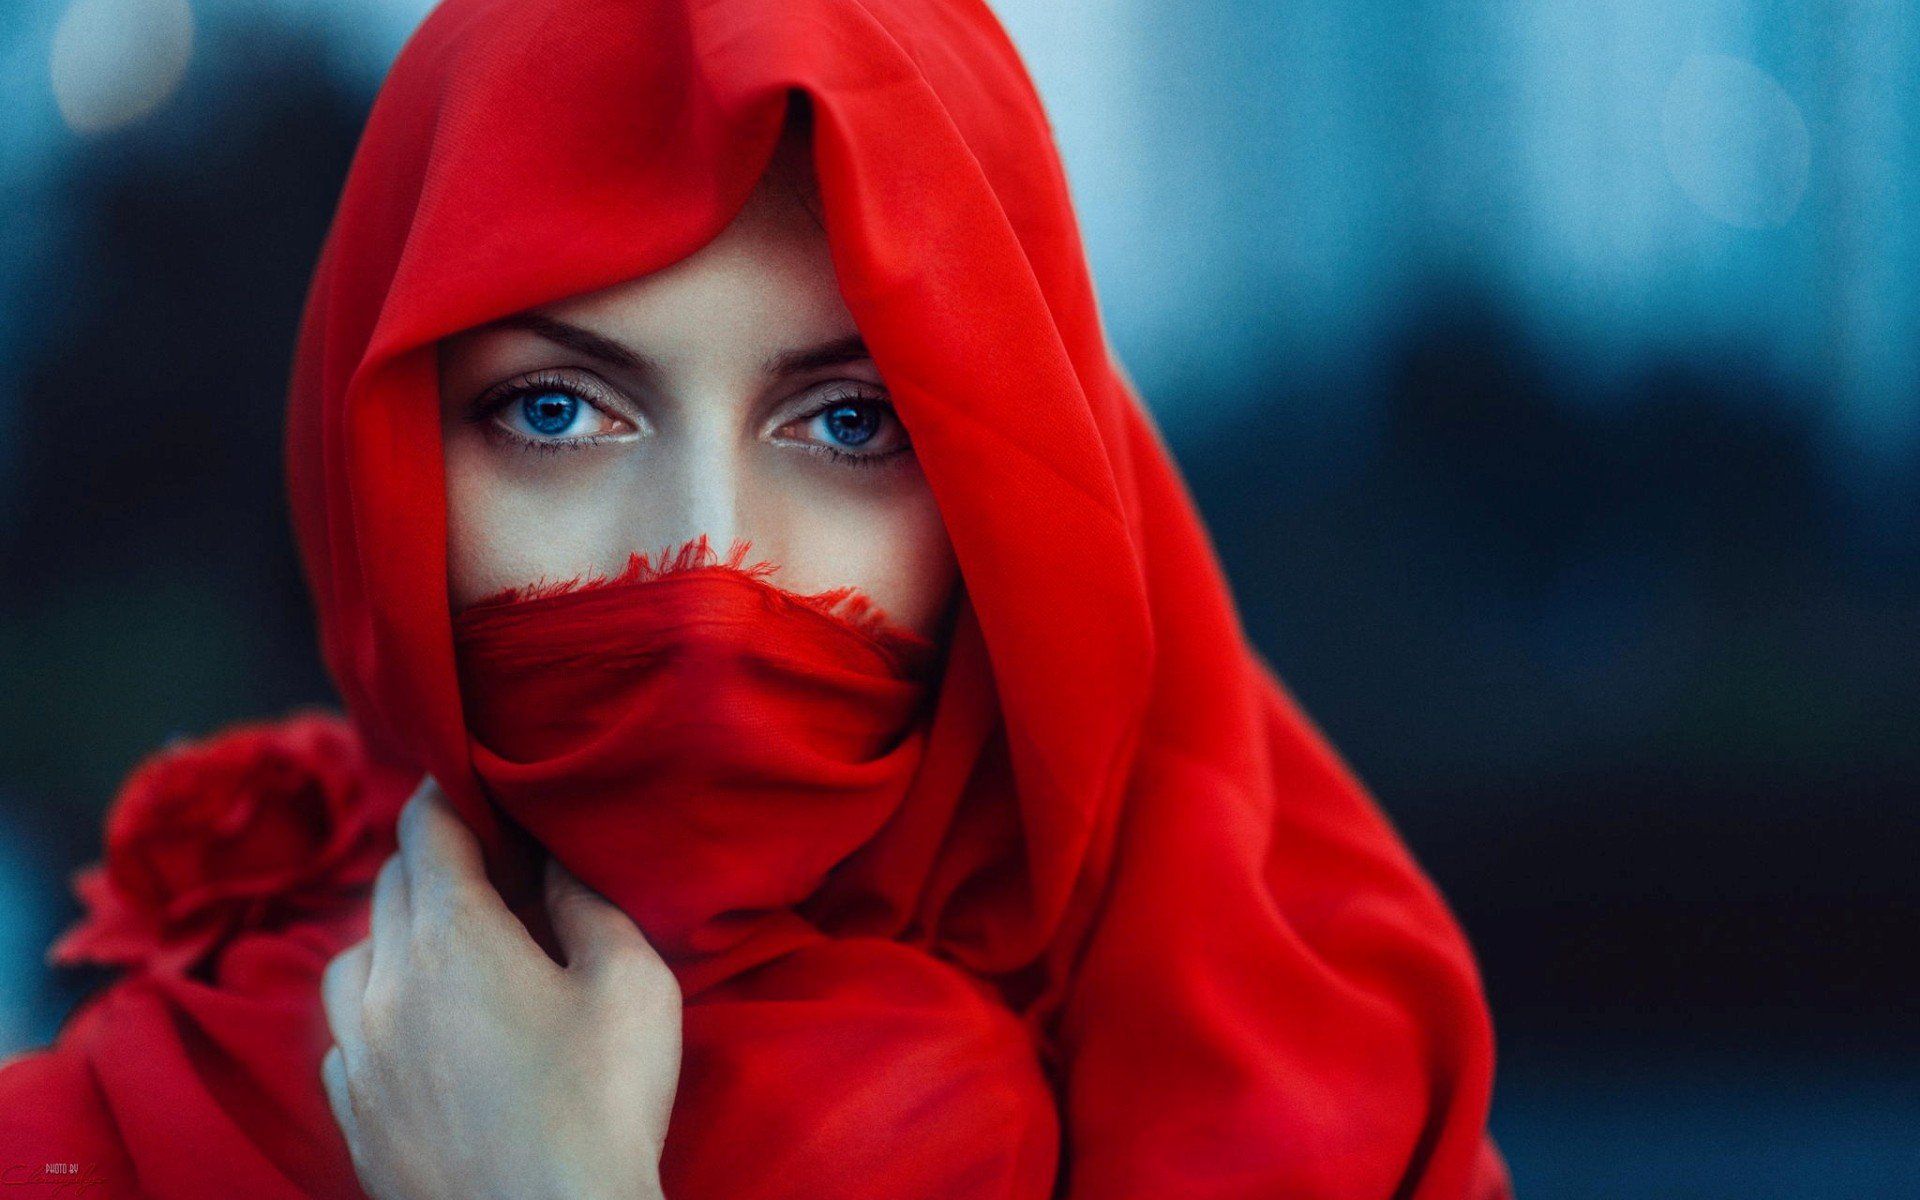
(247,829)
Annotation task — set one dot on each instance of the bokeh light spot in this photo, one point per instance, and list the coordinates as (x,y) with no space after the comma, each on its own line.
(115,61)
(1736,144)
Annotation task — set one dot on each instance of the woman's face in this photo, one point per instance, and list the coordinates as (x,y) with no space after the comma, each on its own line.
(727,395)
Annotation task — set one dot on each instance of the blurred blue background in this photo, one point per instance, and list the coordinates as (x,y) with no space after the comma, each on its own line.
(1549,373)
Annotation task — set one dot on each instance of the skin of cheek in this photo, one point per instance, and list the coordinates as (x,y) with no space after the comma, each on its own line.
(877,528)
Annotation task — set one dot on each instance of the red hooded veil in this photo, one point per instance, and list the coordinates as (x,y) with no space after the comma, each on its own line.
(1133,931)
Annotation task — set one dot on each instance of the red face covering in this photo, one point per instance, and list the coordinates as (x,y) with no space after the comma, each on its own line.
(706,749)
(701,746)
(1087,910)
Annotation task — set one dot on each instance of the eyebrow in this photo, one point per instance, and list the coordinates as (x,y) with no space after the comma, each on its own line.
(851,348)
(586,341)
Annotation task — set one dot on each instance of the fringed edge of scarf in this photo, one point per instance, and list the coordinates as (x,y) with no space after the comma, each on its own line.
(848,605)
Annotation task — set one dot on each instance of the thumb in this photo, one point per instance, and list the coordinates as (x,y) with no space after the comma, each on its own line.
(590,927)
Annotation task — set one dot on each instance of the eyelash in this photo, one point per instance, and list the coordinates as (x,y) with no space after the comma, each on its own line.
(495,401)
(835,400)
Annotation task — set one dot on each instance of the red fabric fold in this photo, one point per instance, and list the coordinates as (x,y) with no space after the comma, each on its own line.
(701,747)
(705,749)
(1084,908)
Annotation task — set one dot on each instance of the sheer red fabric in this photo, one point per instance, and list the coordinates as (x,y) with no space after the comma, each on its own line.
(1079,906)
(706,749)
(701,747)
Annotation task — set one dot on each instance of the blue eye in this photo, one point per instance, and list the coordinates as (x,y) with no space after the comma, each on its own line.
(852,424)
(853,430)
(550,413)
(549,410)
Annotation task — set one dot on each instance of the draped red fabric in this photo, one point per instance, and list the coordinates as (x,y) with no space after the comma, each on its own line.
(701,747)
(705,749)
(1076,903)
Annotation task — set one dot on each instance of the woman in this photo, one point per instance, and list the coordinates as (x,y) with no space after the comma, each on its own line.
(941,836)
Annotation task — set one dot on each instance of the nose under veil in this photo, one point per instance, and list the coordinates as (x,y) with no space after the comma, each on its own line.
(705,749)
(697,744)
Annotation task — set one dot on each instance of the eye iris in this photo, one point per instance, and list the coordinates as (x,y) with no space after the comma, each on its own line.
(550,412)
(852,424)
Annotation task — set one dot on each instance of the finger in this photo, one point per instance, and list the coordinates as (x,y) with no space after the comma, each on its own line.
(333,1076)
(440,854)
(592,930)
(392,917)
(343,987)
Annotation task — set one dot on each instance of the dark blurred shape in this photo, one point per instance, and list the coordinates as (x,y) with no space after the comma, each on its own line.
(1620,672)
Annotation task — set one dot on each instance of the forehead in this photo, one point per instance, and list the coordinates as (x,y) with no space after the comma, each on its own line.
(768,273)
(762,287)
(732,312)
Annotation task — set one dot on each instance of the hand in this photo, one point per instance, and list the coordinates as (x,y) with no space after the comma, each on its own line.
(467,1063)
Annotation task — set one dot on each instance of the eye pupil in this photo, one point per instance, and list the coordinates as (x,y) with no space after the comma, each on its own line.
(852,424)
(550,412)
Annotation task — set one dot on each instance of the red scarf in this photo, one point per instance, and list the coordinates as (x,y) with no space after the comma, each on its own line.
(697,744)
(705,749)
(1104,915)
